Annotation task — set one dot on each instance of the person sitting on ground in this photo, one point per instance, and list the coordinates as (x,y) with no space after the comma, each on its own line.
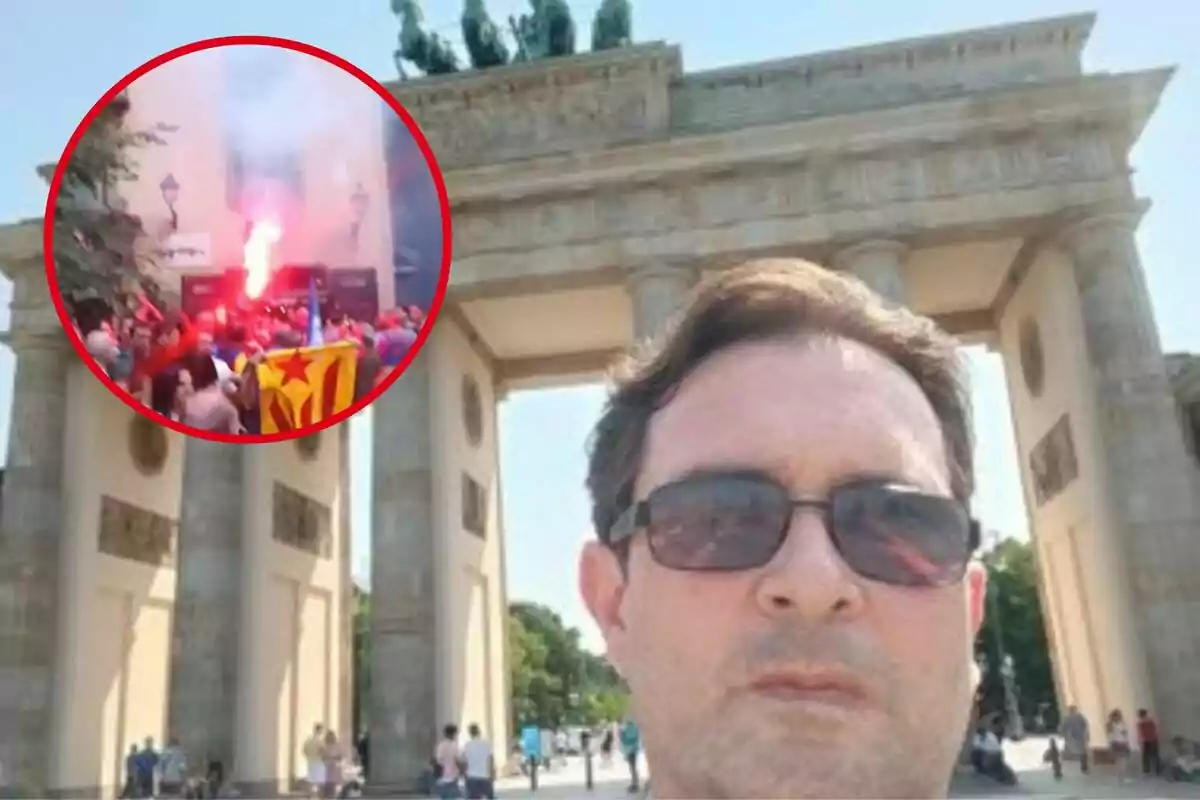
(1183,764)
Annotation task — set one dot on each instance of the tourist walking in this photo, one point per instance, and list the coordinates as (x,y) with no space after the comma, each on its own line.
(1076,735)
(631,748)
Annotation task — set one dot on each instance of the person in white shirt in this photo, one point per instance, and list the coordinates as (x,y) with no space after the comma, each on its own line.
(480,766)
(1118,743)
(172,769)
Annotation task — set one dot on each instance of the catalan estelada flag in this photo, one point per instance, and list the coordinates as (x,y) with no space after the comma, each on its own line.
(302,387)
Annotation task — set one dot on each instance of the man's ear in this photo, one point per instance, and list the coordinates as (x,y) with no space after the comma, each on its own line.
(602,587)
(976,595)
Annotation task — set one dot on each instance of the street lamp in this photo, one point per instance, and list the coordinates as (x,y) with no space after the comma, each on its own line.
(170,194)
(358,207)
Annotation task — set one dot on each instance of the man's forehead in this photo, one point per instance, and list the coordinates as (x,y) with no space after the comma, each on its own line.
(809,412)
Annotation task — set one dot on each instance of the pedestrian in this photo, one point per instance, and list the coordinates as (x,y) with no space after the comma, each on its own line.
(480,766)
(1076,737)
(606,746)
(334,757)
(314,760)
(631,748)
(172,769)
(1118,743)
(448,765)
(1053,757)
(1148,740)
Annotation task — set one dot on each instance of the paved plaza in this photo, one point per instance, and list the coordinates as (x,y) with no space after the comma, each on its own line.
(1035,781)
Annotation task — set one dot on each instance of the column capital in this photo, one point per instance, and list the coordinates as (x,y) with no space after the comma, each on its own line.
(21,248)
(1095,229)
(845,258)
(24,341)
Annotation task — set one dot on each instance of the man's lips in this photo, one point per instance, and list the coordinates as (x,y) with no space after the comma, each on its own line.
(818,685)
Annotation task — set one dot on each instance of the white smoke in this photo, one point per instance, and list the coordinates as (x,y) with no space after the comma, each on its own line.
(277,103)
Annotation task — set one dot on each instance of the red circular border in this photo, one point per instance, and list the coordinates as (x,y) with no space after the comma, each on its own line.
(298,47)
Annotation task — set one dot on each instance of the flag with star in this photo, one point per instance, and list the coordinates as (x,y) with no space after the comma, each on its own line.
(306,385)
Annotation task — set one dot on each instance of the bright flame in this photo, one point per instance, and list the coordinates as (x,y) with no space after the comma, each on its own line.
(256,255)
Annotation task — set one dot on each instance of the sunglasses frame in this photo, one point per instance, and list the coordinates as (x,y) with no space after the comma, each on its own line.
(636,517)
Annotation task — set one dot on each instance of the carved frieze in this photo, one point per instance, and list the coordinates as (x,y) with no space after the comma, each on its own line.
(300,522)
(598,99)
(136,534)
(816,185)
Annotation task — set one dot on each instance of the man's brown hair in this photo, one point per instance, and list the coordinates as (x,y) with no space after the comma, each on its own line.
(762,301)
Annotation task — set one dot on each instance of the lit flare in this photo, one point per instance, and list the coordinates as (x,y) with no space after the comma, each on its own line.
(257,256)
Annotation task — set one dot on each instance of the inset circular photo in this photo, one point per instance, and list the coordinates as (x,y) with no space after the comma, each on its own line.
(247,239)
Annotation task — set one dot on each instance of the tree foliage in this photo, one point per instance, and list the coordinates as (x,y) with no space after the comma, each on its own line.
(1014,621)
(100,250)
(362,657)
(555,681)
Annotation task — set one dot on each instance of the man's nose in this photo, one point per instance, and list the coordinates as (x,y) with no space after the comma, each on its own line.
(808,577)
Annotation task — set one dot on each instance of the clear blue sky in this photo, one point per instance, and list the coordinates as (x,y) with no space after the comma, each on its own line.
(58,56)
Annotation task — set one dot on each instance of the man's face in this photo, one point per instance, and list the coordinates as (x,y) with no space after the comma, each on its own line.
(813,416)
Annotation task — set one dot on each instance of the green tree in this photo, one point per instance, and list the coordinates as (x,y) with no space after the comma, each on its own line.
(101,252)
(555,681)
(1014,621)
(362,657)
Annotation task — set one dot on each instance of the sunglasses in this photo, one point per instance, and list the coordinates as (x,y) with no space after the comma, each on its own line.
(732,521)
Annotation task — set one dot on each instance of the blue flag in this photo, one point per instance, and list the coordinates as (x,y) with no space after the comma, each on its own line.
(316,336)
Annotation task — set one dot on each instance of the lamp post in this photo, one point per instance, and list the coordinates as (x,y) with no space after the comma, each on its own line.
(359,201)
(170,194)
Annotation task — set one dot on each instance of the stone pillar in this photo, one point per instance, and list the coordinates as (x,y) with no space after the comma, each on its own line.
(31,529)
(346,722)
(879,263)
(404,567)
(205,640)
(1149,478)
(657,292)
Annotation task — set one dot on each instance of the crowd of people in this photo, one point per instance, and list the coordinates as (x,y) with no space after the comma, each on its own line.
(201,372)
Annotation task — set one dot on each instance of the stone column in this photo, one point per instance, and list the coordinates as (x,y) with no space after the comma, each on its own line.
(206,634)
(879,263)
(1149,478)
(346,722)
(404,568)
(31,530)
(657,292)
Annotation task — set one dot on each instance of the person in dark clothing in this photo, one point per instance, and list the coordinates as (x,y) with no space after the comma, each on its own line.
(364,753)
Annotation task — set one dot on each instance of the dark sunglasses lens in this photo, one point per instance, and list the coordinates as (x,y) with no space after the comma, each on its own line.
(901,537)
(717,523)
